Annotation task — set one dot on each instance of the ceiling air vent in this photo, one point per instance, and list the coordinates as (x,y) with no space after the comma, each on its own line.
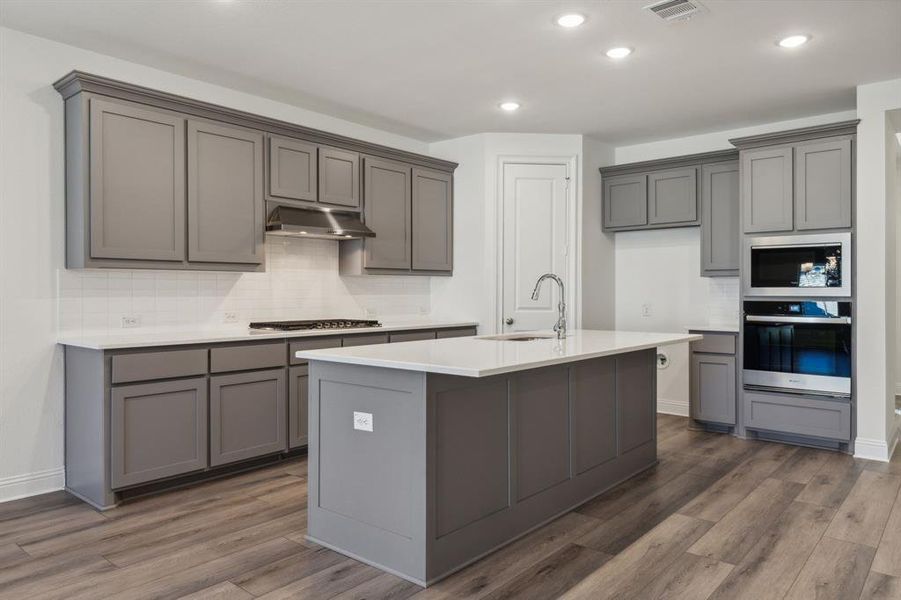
(675,10)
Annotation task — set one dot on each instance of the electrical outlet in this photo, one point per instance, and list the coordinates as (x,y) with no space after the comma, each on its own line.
(362,421)
(230,317)
(131,321)
(645,310)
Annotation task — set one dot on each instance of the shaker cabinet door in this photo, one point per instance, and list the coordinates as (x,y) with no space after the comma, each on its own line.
(823,185)
(625,201)
(293,170)
(339,177)
(433,220)
(767,189)
(386,209)
(247,415)
(673,196)
(137,182)
(225,194)
(157,430)
(712,382)
(720,229)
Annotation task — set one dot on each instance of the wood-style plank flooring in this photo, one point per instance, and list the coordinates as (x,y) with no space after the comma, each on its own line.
(718,517)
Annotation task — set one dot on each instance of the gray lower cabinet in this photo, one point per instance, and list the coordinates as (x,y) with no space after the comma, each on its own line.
(247,415)
(720,216)
(713,378)
(433,220)
(225,194)
(767,189)
(713,388)
(137,182)
(625,201)
(387,206)
(823,174)
(673,196)
(339,178)
(293,171)
(298,406)
(158,430)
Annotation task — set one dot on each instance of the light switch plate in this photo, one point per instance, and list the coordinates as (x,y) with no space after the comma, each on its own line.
(362,421)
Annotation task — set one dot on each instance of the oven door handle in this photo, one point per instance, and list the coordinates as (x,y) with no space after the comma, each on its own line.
(811,320)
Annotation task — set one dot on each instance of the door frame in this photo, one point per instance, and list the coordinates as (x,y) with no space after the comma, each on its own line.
(495,260)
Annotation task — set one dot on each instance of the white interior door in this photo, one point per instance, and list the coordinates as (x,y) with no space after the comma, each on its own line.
(535,242)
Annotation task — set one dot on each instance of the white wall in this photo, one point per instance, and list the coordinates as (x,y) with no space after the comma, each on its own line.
(32,253)
(876,270)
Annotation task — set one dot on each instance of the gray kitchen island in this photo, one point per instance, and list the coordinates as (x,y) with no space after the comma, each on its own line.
(426,455)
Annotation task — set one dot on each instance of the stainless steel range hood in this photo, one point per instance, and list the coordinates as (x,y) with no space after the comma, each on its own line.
(301,222)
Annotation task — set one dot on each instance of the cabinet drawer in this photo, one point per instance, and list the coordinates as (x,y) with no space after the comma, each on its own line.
(365,340)
(168,364)
(313,344)
(822,418)
(243,358)
(452,333)
(715,343)
(411,336)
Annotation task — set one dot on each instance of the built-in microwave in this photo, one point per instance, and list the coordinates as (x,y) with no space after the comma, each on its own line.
(798,346)
(812,265)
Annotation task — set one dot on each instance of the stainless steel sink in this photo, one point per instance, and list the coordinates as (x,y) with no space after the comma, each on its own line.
(520,337)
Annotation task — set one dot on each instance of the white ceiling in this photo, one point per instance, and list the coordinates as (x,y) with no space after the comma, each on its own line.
(437,69)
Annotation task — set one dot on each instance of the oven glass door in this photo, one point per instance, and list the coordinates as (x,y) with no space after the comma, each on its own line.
(822,350)
(791,267)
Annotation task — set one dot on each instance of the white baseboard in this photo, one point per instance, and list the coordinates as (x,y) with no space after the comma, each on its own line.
(872,449)
(32,484)
(672,407)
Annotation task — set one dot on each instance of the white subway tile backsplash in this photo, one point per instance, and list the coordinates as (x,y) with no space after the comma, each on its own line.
(301,281)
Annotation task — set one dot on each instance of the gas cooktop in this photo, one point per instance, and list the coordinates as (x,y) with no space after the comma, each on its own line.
(315,324)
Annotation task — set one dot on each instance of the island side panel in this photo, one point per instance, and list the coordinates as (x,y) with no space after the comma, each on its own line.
(575,431)
(367,489)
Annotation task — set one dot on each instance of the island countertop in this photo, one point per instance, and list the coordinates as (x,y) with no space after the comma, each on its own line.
(481,356)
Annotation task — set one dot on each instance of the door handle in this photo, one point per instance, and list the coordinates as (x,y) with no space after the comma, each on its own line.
(509,320)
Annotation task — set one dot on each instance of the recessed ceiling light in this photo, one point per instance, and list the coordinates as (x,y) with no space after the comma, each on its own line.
(509,106)
(621,52)
(570,20)
(793,41)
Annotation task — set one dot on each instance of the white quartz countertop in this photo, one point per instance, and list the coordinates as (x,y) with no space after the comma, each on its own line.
(176,337)
(714,327)
(481,357)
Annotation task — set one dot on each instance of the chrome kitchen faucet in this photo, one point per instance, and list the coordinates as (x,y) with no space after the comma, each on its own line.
(560,326)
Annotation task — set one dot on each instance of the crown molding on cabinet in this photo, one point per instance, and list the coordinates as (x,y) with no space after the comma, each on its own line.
(79,81)
(792,136)
(670,163)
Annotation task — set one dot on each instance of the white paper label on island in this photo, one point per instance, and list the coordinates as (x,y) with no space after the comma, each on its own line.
(363,421)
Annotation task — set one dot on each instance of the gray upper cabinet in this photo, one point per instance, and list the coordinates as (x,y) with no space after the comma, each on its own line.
(673,196)
(293,170)
(433,220)
(823,184)
(720,229)
(339,178)
(387,206)
(157,430)
(137,182)
(225,194)
(247,415)
(625,201)
(767,189)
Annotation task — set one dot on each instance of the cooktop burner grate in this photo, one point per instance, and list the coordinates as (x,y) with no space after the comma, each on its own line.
(315,324)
